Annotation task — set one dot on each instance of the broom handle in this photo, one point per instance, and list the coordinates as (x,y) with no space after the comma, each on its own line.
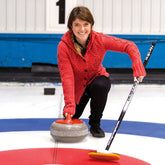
(129,98)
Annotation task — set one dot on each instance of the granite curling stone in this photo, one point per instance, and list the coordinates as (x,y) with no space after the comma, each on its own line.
(68,130)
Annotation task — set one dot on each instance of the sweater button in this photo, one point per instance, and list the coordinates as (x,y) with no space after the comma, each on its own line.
(84,60)
(84,85)
(86,70)
(85,78)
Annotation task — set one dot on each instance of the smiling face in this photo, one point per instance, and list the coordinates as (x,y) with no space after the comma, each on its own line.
(81,30)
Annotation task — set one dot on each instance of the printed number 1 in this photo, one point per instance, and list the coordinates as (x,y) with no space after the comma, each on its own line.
(61,4)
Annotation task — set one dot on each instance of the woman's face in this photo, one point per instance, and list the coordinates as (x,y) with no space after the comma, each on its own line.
(81,30)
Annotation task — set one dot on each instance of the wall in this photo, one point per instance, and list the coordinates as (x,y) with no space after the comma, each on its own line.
(22,16)
(25,37)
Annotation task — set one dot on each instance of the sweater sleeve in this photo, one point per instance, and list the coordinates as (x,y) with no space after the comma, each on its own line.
(67,79)
(129,47)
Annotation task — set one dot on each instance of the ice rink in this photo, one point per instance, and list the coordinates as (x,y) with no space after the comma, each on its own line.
(26,116)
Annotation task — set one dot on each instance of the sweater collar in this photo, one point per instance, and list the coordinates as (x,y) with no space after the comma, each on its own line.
(67,39)
(74,37)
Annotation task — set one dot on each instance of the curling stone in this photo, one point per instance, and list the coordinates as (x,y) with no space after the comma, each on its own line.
(69,130)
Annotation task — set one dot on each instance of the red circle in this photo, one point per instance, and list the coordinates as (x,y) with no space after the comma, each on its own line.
(60,156)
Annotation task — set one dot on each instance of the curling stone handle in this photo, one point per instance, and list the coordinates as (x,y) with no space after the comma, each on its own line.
(68,118)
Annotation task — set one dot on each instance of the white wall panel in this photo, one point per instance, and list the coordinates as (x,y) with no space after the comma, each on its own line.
(136,16)
(3,16)
(146,15)
(155,16)
(126,15)
(30,15)
(81,2)
(107,16)
(162,15)
(20,15)
(89,4)
(40,15)
(117,16)
(97,12)
(11,15)
(111,16)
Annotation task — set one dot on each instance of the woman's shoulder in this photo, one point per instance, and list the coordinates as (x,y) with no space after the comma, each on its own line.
(96,37)
(96,34)
(66,35)
(66,40)
(61,44)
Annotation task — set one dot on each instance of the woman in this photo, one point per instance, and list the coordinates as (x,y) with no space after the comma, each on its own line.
(80,56)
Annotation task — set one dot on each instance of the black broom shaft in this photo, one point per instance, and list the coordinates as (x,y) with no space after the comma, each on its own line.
(129,98)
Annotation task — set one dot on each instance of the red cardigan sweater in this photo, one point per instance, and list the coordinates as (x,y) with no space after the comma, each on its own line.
(77,71)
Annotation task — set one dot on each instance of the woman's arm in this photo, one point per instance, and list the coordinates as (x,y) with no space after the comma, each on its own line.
(125,46)
(67,78)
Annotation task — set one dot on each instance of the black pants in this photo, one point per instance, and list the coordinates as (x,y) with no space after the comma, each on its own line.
(98,92)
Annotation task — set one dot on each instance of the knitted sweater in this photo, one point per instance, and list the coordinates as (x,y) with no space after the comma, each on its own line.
(77,71)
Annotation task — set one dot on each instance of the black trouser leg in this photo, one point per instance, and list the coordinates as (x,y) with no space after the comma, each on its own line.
(99,89)
(98,92)
(81,106)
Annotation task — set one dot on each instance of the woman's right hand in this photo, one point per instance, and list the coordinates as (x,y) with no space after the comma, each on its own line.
(66,114)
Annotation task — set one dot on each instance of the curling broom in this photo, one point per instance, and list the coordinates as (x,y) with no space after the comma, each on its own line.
(114,156)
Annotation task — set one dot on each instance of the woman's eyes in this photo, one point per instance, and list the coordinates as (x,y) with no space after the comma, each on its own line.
(86,24)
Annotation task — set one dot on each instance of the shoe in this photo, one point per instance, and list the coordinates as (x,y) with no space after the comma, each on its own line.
(97,132)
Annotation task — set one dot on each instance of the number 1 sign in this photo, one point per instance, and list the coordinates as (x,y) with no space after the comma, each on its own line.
(57,14)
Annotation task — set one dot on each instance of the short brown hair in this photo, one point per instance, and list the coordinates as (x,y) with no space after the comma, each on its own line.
(82,13)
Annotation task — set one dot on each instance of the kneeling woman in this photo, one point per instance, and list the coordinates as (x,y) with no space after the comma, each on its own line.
(80,55)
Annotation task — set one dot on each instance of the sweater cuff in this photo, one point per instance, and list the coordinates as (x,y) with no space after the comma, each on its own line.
(69,108)
(138,69)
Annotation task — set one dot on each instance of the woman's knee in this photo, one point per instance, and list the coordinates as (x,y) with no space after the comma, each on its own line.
(101,83)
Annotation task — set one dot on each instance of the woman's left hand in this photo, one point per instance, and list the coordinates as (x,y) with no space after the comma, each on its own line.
(140,78)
